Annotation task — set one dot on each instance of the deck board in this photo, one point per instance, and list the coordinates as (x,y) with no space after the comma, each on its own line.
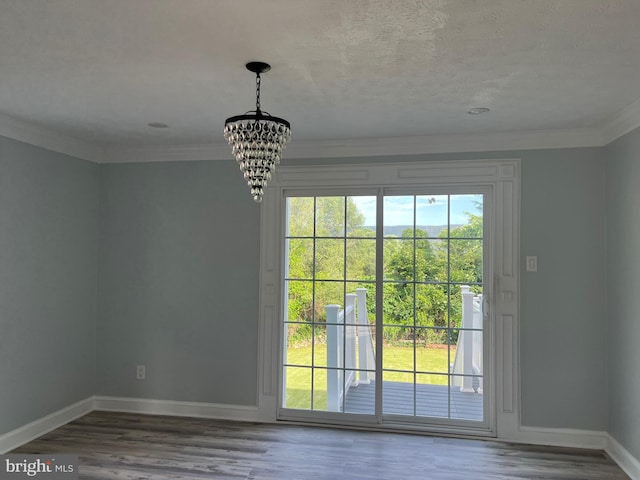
(431,401)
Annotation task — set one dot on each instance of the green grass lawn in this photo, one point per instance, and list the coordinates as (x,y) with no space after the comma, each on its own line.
(433,359)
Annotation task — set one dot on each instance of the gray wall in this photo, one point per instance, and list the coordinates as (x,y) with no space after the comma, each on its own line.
(622,164)
(48,275)
(179,258)
(563,332)
(563,336)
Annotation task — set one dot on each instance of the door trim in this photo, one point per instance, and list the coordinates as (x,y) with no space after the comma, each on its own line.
(502,175)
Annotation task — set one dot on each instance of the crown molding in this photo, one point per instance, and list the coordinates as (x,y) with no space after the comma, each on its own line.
(621,123)
(627,120)
(41,137)
(373,147)
(446,144)
(167,153)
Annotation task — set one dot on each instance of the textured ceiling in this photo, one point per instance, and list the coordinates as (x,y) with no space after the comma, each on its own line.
(100,70)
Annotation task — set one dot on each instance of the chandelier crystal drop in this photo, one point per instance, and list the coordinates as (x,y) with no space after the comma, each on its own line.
(257,140)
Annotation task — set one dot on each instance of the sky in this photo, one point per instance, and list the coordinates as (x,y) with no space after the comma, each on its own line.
(430,209)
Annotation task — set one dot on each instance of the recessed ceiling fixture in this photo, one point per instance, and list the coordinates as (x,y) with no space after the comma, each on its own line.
(157,125)
(257,139)
(478,110)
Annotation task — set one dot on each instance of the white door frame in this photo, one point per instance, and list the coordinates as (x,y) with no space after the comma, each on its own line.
(502,175)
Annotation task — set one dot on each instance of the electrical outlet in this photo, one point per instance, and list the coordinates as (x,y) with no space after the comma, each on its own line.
(140,372)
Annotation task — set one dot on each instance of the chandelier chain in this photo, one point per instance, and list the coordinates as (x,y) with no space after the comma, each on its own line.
(258,92)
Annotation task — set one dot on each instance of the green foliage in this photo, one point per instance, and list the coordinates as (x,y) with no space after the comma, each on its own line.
(332,214)
(415,267)
(465,250)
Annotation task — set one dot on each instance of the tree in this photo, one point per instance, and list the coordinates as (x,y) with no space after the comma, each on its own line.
(417,270)
(464,257)
(316,255)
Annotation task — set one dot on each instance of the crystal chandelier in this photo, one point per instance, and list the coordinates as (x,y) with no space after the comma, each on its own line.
(257,139)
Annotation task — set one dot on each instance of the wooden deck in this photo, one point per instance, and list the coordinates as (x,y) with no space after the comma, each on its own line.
(431,401)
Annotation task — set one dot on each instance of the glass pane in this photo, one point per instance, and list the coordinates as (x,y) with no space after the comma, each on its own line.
(368,291)
(398,216)
(457,362)
(432,396)
(298,388)
(361,398)
(365,331)
(472,317)
(431,260)
(398,259)
(466,260)
(334,352)
(361,217)
(466,314)
(298,350)
(432,336)
(350,347)
(398,353)
(299,295)
(466,399)
(397,377)
(351,309)
(398,393)
(320,345)
(327,293)
(467,353)
(300,216)
(431,305)
(397,308)
(334,388)
(466,216)
(330,217)
(431,215)
(329,259)
(361,259)
(300,258)
(319,389)
(433,358)
(455,307)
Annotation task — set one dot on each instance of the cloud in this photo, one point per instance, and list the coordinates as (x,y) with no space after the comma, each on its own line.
(367,206)
(430,209)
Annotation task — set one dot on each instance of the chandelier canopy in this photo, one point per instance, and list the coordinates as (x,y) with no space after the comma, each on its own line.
(257,139)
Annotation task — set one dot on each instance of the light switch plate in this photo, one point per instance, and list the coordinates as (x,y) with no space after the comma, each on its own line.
(532,264)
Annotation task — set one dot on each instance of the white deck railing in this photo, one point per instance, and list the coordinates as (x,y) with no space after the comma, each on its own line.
(469,351)
(348,332)
(345,329)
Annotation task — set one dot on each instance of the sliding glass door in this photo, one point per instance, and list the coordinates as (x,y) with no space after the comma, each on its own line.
(330,291)
(384,318)
(432,323)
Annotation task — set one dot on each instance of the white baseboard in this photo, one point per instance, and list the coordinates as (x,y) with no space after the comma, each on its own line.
(590,439)
(623,458)
(37,428)
(179,409)
(562,437)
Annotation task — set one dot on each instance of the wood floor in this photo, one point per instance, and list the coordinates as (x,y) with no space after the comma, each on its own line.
(128,446)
